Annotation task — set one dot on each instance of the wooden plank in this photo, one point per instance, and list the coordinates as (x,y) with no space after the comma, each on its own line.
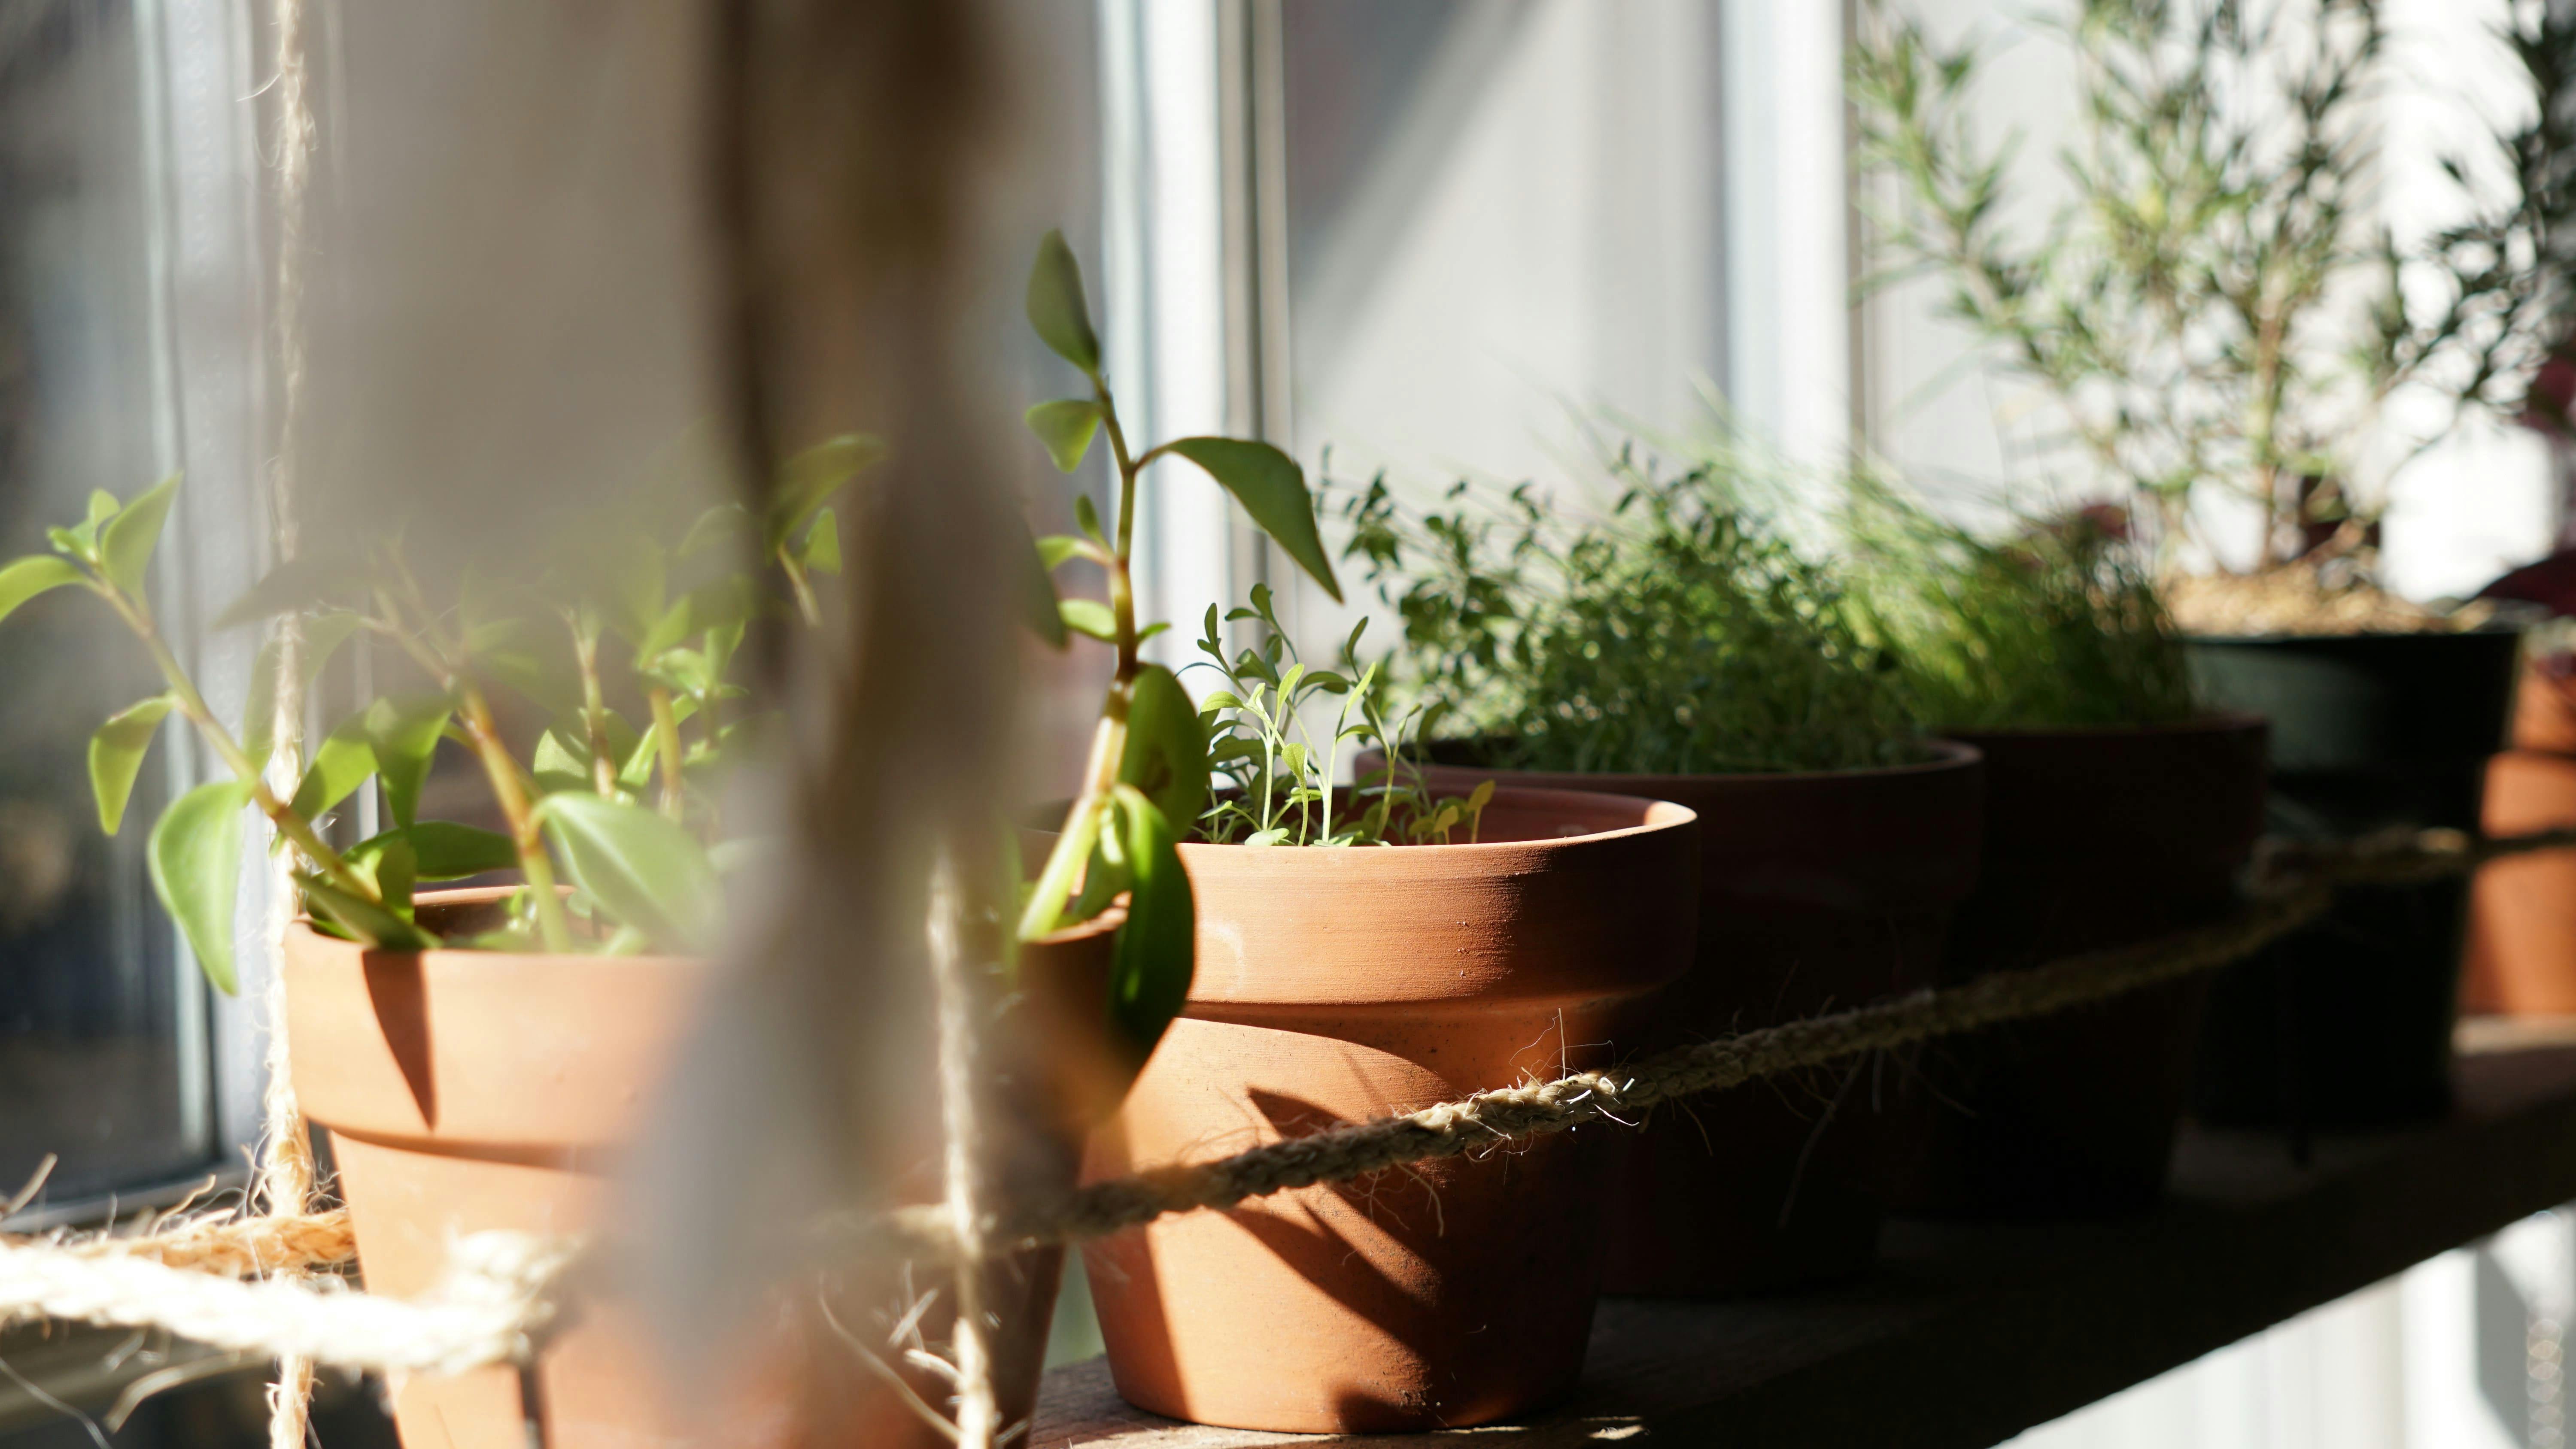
(1968,1335)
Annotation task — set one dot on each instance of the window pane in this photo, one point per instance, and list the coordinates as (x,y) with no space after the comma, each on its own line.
(90,1001)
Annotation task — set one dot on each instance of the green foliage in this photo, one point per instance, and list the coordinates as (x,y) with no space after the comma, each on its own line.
(1677,635)
(1272,489)
(195,859)
(116,755)
(2186,309)
(1057,311)
(1282,771)
(2056,626)
(645,871)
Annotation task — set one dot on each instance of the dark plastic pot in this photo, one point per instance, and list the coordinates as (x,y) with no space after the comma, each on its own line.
(1818,891)
(2348,1023)
(2094,838)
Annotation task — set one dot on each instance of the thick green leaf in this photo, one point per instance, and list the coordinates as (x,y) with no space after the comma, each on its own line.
(195,859)
(1055,548)
(821,553)
(1272,489)
(343,763)
(1089,616)
(125,545)
(1166,754)
(562,761)
(29,577)
(641,868)
(1156,952)
(807,481)
(1066,427)
(1039,607)
(1056,307)
(299,583)
(116,754)
(676,624)
(362,918)
(445,850)
(718,526)
(402,733)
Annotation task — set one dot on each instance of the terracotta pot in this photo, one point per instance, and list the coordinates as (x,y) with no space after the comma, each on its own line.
(1817,891)
(2522,946)
(2094,838)
(2544,705)
(1336,985)
(467,1091)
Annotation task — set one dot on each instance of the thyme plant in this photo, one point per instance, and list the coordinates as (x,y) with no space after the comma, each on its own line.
(1676,635)
(2056,625)
(2187,310)
(1282,774)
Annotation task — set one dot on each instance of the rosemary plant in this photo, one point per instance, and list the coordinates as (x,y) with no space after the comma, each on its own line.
(2187,311)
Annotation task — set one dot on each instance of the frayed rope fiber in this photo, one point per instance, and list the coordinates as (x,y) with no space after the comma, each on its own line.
(502,1289)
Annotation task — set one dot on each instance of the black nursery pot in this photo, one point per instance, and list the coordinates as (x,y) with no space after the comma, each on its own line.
(2348,1022)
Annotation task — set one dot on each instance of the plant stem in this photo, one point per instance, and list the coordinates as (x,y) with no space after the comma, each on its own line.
(446,665)
(802,587)
(280,814)
(594,711)
(1045,910)
(666,728)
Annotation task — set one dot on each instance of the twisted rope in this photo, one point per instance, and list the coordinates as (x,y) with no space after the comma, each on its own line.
(502,1290)
(491,1306)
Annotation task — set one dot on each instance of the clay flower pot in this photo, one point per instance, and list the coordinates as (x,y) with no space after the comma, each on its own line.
(2522,933)
(1817,892)
(466,1091)
(2522,941)
(2094,838)
(1336,985)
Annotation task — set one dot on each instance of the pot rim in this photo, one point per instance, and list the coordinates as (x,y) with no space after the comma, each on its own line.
(2486,630)
(1948,754)
(2207,722)
(1110,919)
(1679,816)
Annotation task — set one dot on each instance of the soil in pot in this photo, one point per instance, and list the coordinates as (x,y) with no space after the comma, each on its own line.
(2094,838)
(1818,891)
(1338,985)
(2348,1023)
(467,1091)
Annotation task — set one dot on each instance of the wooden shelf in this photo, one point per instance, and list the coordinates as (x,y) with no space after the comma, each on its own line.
(1968,1335)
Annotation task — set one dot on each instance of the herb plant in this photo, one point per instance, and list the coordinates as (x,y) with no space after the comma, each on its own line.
(1282,774)
(2187,310)
(2057,625)
(1677,635)
(1147,774)
(623,815)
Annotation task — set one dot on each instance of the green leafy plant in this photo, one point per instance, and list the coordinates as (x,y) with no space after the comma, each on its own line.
(1282,770)
(2056,625)
(1147,774)
(2186,310)
(640,873)
(1678,634)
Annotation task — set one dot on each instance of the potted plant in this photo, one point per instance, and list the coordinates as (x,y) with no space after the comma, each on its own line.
(2117,810)
(1677,649)
(1361,950)
(480,1056)
(2187,315)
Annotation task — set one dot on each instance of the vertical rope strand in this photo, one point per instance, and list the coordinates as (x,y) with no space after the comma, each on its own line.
(960,1049)
(286,1149)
